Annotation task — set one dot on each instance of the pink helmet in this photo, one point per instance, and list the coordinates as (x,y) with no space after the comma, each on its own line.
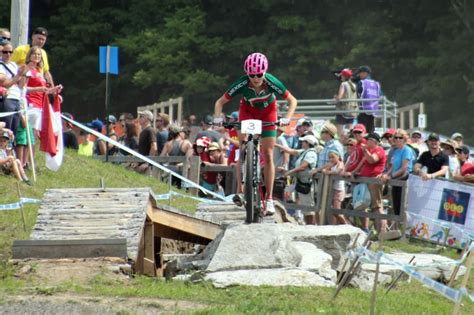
(256,63)
(346,73)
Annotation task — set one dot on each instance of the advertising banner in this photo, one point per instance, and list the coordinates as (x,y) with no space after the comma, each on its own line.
(440,211)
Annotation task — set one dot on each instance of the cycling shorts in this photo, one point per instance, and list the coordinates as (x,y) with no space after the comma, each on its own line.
(267,114)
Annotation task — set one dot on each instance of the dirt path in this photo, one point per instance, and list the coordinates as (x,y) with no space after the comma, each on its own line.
(78,304)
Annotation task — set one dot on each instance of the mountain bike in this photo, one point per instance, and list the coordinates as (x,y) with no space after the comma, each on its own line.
(250,168)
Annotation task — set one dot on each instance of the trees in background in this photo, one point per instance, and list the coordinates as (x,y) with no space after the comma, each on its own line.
(419,50)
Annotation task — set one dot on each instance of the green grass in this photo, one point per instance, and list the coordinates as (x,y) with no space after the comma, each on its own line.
(407,298)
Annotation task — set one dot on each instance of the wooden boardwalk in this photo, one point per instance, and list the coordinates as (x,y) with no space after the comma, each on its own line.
(120,222)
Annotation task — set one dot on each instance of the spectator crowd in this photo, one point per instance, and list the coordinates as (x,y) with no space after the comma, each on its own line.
(349,148)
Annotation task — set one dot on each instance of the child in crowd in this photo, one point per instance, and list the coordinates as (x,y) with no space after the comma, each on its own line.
(8,163)
(86,147)
(22,151)
(336,167)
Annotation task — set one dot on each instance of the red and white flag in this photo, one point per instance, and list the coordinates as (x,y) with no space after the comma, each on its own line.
(51,134)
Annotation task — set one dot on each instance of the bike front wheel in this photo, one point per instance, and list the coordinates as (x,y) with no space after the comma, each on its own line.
(250,188)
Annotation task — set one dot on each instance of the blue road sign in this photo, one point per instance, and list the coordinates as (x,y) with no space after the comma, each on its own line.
(113,59)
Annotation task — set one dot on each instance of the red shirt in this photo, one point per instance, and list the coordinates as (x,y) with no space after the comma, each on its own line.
(36,80)
(355,157)
(373,170)
(468,169)
(209,177)
(234,136)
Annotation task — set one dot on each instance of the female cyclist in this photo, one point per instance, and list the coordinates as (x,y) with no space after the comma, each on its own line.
(258,89)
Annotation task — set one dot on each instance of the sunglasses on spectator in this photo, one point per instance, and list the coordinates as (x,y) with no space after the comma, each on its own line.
(7,52)
(398,137)
(7,38)
(159,120)
(416,137)
(349,145)
(255,75)
(357,132)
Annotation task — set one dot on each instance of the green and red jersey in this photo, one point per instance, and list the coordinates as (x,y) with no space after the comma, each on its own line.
(271,86)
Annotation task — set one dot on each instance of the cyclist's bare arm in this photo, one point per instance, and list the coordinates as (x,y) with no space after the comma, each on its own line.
(292,102)
(219,105)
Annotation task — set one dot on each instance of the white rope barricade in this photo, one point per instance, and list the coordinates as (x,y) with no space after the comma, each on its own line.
(17,205)
(368,256)
(143,158)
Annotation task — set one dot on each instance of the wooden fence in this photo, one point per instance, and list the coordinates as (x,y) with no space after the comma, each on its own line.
(324,192)
(173,107)
(189,168)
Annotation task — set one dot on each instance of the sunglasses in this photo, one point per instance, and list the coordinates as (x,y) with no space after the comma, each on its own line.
(349,145)
(357,132)
(7,52)
(399,138)
(255,75)
(416,137)
(7,38)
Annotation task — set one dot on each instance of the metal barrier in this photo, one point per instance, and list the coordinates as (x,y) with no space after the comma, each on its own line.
(167,107)
(325,109)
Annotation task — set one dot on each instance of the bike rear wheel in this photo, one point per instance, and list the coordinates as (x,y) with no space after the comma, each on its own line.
(252,197)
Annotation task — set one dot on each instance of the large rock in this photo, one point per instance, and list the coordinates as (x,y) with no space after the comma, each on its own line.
(257,246)
(434,266)
(271,277)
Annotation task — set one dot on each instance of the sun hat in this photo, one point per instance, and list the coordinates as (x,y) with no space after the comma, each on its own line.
(359,127)
(330,128)
(147,114)
(213,146)
(310,139)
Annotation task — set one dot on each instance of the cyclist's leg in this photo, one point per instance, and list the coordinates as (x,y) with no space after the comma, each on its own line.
(268,143)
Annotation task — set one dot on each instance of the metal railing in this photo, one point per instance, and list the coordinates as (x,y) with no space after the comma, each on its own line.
(325,109)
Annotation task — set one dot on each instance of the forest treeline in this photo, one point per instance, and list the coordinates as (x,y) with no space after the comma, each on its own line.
(419,50)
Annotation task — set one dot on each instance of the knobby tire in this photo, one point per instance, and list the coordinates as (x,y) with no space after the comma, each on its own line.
(249,189)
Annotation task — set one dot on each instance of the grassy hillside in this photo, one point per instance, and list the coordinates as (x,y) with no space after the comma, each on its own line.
(407,298)
(76,172)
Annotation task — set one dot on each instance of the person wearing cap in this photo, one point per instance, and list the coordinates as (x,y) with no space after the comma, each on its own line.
(85,147)
(416,141)
(8,163)
(306,161)
(38,38)
(449,147)
(467,167)
(111,122)
(432,163)
(458,137)
(207,130)
(355,159)
(367,88)
(373,166)
(232,137)
(328,134)
(347,90)
(177,145)
(99,145)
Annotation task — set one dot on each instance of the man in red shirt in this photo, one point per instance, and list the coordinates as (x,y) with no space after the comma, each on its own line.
(373,166)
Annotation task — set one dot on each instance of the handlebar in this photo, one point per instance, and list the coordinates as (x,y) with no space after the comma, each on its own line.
(230,125)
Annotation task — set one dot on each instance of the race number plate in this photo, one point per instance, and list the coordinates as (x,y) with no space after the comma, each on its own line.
(251,126)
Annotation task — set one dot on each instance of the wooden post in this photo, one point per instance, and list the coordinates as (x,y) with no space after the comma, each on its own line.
(194,172)
(400,274)
(171,112)
(22,212)
(179,117)
(354,244)
(373,299)
(324,200)
(351,267)
(149,267)
(456,269)
(470,260)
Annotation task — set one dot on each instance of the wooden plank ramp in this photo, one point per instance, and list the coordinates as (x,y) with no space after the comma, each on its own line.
(123,222)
